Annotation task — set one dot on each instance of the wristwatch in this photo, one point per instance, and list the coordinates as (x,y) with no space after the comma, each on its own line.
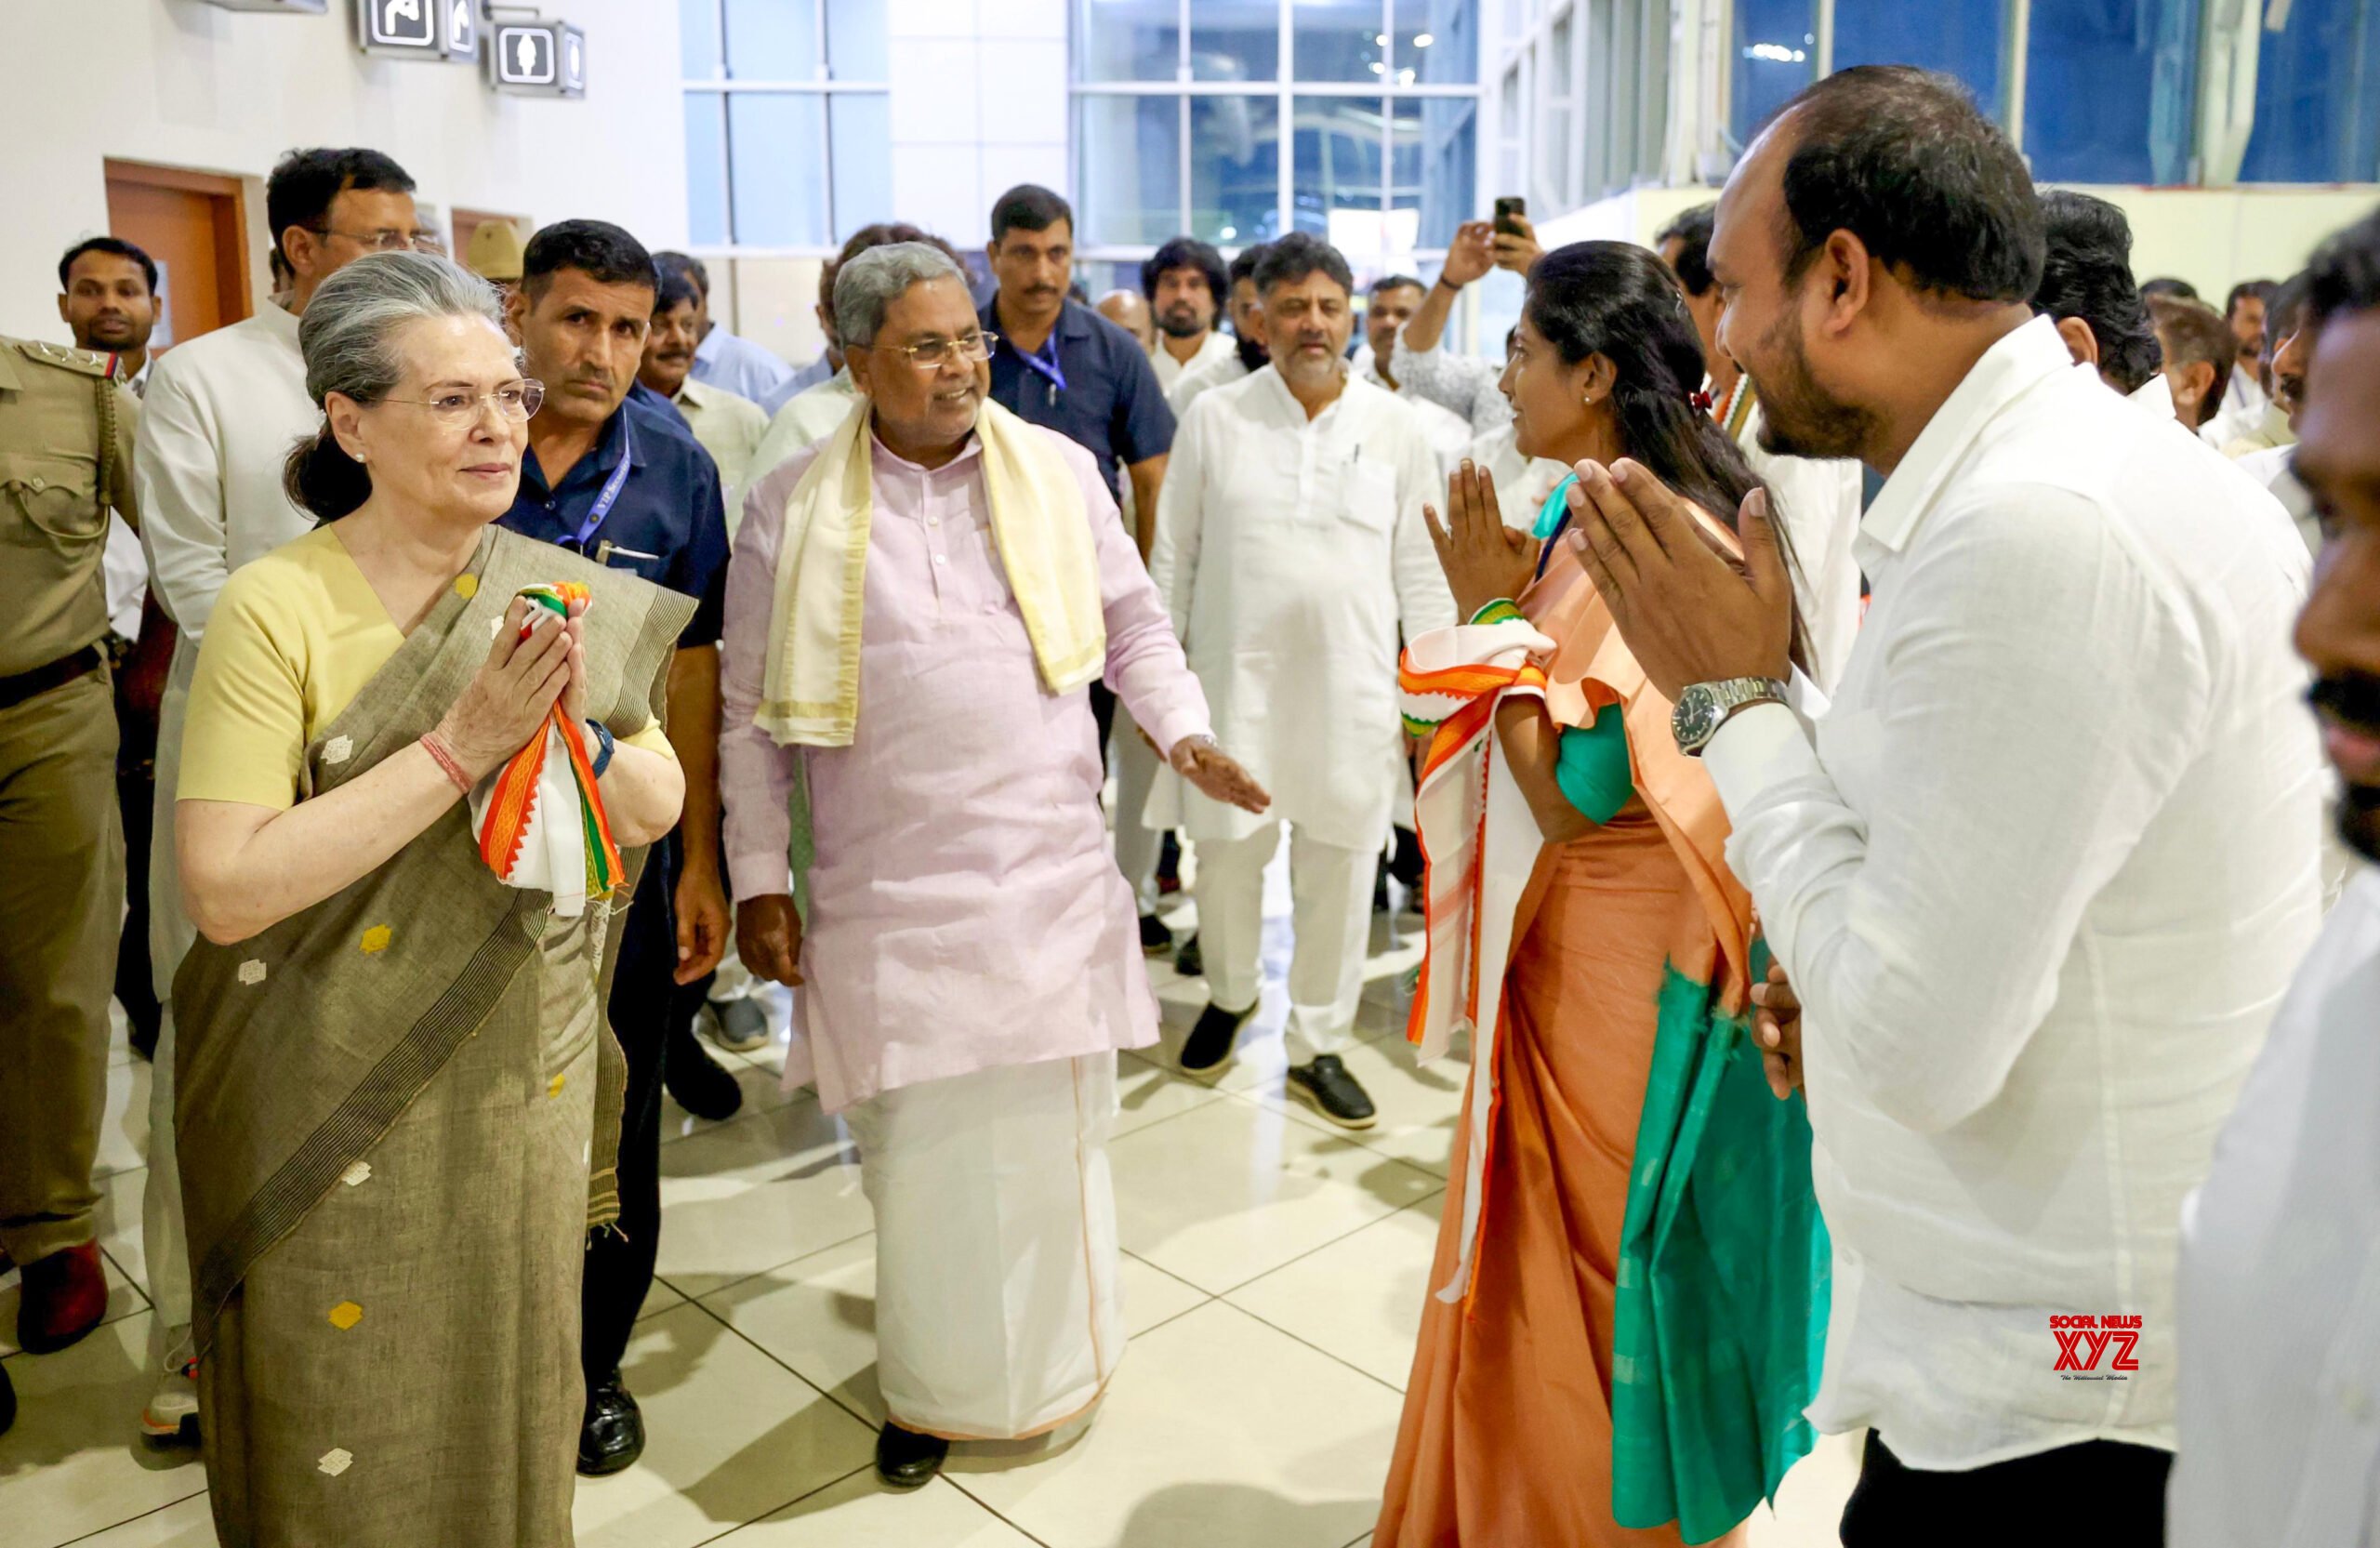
(1703,708)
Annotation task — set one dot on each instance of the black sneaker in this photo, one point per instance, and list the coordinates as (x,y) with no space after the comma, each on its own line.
(908,1459)
(611,1436)
(1155,939)
(1210,1041)
(1325,1086)
(1187,963)
(739,1026)
(696,1082)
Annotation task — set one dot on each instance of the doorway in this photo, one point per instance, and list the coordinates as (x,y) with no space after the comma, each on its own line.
(194,224)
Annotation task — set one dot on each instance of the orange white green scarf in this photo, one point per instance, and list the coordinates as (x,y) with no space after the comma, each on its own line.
(540,818)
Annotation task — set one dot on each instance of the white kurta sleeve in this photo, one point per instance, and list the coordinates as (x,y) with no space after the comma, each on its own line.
(1181,515)
(1423,602)
(178,473)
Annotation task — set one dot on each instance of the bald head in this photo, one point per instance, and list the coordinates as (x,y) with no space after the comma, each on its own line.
(1130,313)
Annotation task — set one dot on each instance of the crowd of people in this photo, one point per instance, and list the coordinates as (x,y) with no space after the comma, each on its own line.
(1911,952)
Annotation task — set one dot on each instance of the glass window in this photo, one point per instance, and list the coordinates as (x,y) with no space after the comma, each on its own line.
(1434,42)
(776,168)
(1128,181)
(2318,96)
(1775,55)
(858,47)
(1336,189)
(1338,40)
(1235,170)
(1125,40)
(698,41)
(773,40)
(2109,85)
(706,168)
(1235,40)
(861,137)
(1433,168)
(1961,39)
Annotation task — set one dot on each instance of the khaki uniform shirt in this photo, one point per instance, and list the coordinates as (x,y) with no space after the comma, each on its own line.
(65,458)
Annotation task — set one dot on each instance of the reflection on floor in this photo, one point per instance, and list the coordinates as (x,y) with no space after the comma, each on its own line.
(1274,1278)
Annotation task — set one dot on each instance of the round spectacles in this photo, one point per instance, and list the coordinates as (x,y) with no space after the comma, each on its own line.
(516,401)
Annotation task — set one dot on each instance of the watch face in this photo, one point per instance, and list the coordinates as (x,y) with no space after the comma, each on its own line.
(1696,717)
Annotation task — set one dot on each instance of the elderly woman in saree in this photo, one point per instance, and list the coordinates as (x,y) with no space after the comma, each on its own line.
(1625,1325)
(403,799)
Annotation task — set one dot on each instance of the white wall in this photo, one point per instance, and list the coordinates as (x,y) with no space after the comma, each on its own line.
(2212,237)
(187,84)
(979,105)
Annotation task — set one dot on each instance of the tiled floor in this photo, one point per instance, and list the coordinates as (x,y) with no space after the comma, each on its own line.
(1274,1275)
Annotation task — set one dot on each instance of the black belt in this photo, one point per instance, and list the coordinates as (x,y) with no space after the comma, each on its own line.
(16,689)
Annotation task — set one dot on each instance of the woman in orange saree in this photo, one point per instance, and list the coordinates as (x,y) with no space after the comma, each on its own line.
(1625,1322)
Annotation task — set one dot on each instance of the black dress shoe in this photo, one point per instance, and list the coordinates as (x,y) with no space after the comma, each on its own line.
(612,1437)
(739,1026)
(1187,963)
(1210,1041)
(1325,1086)
(1155,939)
(908,1459)
(696,1082)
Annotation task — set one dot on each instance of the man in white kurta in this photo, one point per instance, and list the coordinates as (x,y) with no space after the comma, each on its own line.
(967,970)
(1289,550)
(217,426)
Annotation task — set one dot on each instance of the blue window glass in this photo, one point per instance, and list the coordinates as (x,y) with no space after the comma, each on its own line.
(1236,42)
(699,58)
(1235,170)
(1433,168)
(2109,87)
(772,40)
(1960,39)
(860,132)
(1127,40)
(858,45)
(706,168)
(1775,55)
(1338,40)
(1434,42)
(2318,96)
(777,170)
(1128,181)
(1338,171)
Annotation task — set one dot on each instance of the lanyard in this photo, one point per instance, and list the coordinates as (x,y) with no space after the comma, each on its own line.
(610,493)
(1050,367)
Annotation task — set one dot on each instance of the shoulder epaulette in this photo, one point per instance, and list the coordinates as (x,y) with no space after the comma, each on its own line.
(65,357)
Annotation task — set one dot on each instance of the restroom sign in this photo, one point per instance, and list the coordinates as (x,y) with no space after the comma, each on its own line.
(524,56)
(537,58)
(461,39)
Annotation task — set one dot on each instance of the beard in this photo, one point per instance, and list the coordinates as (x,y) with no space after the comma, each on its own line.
(1182,320)
(1252,353)
(1797,417)
(2352,700)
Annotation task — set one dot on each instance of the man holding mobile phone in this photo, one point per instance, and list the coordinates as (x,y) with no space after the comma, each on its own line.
(1459,382)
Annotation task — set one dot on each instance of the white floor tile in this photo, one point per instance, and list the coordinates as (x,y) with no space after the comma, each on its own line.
(762,1095)
(1148,1093)
(761,1191)
(1233,1190)
(75,1461)
(1360,1298)
(1810,1502)
(861,1513)
(1217,1430)
(732,1436)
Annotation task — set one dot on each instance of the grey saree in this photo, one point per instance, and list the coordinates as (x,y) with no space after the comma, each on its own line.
(397,1112)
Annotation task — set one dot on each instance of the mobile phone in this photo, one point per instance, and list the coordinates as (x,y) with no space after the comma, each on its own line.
(1510,211)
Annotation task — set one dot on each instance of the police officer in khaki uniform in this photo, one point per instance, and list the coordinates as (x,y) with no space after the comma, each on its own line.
(65,458)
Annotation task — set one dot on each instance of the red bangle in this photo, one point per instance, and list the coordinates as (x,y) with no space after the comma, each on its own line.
(445,761)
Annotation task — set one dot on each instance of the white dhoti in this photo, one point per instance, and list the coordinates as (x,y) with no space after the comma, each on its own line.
(1330,893)
(996,1306)
(1136,843)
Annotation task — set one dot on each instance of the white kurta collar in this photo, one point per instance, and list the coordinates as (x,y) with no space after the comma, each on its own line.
(2011,367)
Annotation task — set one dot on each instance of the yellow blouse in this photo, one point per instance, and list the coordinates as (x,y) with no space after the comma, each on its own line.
(294,638)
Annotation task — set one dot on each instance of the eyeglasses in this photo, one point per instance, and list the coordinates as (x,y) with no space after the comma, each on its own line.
(516,401)
(936,353)
(386,240)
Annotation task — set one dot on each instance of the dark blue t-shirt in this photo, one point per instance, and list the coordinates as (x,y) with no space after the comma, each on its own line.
(1111,403)
(667,522)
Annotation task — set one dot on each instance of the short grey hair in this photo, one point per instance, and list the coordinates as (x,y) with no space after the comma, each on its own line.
(867,286)
(347,330)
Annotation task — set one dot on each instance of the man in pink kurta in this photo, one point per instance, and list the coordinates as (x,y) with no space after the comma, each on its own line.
(970,961)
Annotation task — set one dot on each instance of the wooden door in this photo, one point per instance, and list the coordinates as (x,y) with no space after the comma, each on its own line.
(193,223)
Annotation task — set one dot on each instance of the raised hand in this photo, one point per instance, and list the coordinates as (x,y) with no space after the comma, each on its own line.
(1484,560)
(507,701)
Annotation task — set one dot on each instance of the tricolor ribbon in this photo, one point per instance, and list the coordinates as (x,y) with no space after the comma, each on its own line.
(541,819)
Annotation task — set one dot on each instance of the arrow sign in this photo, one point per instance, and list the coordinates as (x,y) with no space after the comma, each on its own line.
(404,23)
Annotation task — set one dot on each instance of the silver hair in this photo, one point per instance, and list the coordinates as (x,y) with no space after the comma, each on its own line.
(867,286)
(346,332)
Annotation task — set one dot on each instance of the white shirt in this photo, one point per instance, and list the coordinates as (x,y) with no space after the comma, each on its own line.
(2242,409)
(1217,345)
(2280,1274)
(1818,502)
(1222,371)
(2271,468)
(1288,551)
(1448,432)
(220,417)
(1522,483)
(805,419)
(2040,883)
(730,429)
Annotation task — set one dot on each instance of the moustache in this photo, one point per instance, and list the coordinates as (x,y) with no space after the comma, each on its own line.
(2351,700)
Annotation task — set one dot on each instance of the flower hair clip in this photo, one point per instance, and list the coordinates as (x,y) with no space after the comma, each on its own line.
(1700,400)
